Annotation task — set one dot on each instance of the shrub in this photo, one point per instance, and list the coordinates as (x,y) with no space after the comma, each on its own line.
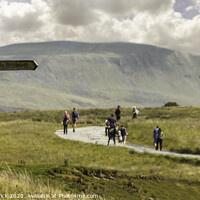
(171,104)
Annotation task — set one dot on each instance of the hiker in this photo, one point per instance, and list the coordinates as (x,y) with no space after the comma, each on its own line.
(135,112)
(123,134)
(155,135)
(117,133)
(107,126)
(65,121)
(75,117)
(159,139)
(112,129)
(117,113)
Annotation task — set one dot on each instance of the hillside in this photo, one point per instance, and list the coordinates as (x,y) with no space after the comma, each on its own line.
(98,75)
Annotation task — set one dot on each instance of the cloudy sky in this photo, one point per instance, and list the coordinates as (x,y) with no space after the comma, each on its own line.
(173,24)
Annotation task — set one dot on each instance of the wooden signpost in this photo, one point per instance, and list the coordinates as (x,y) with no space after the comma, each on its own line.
(6,65)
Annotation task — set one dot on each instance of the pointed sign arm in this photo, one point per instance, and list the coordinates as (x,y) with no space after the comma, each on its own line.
(6,65)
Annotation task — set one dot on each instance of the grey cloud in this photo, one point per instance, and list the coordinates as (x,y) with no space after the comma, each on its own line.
(155,6)
(28,23)
(19,1)
(74,12)
(126,6)
(84,12)
(114,7)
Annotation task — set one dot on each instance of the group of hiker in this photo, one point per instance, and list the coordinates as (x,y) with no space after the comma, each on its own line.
(66,119)
(112,129)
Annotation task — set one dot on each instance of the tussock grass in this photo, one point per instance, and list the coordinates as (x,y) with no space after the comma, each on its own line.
(20,185)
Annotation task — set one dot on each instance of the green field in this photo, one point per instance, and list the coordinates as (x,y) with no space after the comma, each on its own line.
(34,160)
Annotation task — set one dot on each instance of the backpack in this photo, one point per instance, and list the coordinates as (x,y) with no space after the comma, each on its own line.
(112,122)
(107,123)
(65,120)
(160,135)
(74,114)
(123,131)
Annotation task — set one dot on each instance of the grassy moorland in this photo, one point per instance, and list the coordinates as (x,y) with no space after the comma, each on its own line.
(180,126)
(34,160)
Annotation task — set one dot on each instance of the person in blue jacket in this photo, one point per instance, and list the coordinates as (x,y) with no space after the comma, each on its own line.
(159,139)
(155,136)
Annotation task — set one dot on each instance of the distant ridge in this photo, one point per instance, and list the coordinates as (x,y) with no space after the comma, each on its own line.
(98,75)
(74,47)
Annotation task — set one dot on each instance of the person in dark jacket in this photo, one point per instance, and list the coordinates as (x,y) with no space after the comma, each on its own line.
(118,113)
(123,134)
(159,139)
(75,116)
(112,129)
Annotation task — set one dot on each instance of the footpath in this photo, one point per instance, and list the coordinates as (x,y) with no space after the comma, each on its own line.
(96,135)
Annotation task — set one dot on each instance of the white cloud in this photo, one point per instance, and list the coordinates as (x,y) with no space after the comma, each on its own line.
(151,22)
(189,8)
(21,21)
(196,4)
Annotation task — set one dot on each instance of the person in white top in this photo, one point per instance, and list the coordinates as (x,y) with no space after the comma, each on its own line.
(107,126)
(135,112)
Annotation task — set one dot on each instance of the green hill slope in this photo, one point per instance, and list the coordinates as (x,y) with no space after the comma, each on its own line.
(98,75)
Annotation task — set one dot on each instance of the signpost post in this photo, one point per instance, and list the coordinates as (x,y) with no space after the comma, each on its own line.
(6,65)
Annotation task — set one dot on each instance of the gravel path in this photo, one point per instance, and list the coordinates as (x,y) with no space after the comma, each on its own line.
(96,135)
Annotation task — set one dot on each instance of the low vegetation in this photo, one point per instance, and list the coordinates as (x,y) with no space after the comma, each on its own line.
(36,161)
(168,104)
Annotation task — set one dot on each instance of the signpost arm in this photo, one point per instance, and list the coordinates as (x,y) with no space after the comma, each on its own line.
(7,65)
